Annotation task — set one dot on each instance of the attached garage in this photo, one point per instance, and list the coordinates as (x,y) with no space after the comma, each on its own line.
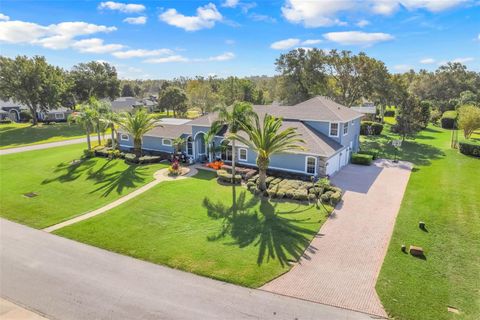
(336,162)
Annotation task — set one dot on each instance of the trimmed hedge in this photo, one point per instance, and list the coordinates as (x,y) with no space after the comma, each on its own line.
(130,157)
(448,119)
(374,154)
(363,159)
(226,177)
(5,121)
(370,128)
(469,148)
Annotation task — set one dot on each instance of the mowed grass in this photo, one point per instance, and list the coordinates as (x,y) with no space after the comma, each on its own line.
(202,227)
(24,134)
(64,190)
(444,192)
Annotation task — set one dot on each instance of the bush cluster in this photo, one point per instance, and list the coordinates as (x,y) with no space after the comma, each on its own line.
(469,148)
(389,113)
(363,159)
(132,158)
(109,153)
(370,128)
(448,119)
(226,177)
(374,154)
(280,188)
(5,121)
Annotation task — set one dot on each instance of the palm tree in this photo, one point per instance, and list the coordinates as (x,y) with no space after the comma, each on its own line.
(266,139)
(209,136)
(178,143)
(110,119)
(85,116)
(101,108)
(234,117)
(137,125)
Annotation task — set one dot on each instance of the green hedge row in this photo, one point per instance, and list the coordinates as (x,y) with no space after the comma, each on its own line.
(370,128)
(363,159)
(226,177)
(448,119)
(469,148)
(132,158)
(280,188)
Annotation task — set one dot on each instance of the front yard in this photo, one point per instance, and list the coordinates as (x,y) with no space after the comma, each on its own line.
(443,191)
(24,134)
(200,226)
(64,190)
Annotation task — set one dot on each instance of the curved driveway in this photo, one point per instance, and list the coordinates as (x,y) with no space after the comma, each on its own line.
(347,254)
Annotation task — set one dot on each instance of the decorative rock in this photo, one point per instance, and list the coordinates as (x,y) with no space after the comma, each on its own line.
(404,248)
(421,225)
(416,251)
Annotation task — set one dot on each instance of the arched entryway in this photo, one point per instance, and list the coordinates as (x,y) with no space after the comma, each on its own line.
(200,146)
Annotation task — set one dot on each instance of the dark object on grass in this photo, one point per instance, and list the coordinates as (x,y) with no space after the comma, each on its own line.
(416,251)
(421,225)
(404,248)
(30,194)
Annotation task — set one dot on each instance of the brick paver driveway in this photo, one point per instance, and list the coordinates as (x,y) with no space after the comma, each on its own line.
(343,262)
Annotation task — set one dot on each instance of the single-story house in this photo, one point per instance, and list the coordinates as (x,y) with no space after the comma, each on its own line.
(128,104)
(331,133)
(56,115)
(368,109)
(15,110)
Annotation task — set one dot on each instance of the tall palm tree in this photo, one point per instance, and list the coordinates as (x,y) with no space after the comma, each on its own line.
(266,139)
(85,116)
(137,125)
(209,136)
(110,119)
(101,108)
(234,117)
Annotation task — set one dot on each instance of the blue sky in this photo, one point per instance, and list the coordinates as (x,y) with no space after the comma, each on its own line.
(166,39)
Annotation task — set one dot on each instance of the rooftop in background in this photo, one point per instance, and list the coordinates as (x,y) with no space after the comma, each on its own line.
(366,108)
(174,121)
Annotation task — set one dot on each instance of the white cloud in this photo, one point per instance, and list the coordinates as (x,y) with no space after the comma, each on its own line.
(310,42)
(54,36)
(285,44)
(136,20)
(357,37)
(463,60)
(323,13)
(4,17)
(95,45)
(141,53)
(205,18)
(223,57)
(427,61)
(175,58)
(229,41)
(230,3)
(122,7)
(402,67)
(261,17)
(363,23)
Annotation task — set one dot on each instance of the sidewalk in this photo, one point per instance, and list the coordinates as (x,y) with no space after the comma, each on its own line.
(11,311)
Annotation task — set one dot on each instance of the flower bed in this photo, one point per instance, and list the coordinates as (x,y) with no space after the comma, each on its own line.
(216,165)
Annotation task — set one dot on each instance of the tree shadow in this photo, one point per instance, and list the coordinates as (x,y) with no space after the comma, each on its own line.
(277,237)
(70,171)
(117,180)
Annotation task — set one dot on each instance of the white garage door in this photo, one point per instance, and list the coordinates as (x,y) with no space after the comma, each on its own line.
(333,164)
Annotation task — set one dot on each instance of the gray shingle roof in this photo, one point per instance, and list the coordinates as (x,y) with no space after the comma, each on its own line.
(170,130)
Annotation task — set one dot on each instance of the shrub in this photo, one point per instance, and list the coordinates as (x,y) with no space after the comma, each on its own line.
(469,148)
(115,153)
(224,176)
(250,184)
(316,191)
(149,159)
(109,142)
(5,121)
(312,197)
(289,193)
(130,157)
(324,182)
(363,159)
(88,153)
(370,128)
(25,116)
(174,169)
(435,116)
(335,198)
(374,154)
(300,195)
(104,152)
(280,194)
(448,119)
(216,165)
(268,180)
(253,179)
(326,196)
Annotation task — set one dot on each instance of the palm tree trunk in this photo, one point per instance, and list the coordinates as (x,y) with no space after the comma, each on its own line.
(98,134)
(262,164)
(137,147)
(234,154)
(89,144)
(112,127)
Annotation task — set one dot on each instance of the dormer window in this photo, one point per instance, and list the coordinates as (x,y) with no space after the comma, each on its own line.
(333,129)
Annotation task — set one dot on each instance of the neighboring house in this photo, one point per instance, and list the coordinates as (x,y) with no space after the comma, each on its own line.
(331,133)
(57,115)
(128,104)
(368,109)
(15,110)
(12,110)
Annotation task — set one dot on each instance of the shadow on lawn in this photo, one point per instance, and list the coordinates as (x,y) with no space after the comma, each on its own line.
(276,236)
(108,181)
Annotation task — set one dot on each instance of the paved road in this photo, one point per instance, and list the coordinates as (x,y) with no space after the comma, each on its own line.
(346,256)
(63,279)
(42,146)
(11,311)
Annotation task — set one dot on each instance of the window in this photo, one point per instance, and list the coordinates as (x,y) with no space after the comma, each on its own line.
(242,154)
(345,128)
(59,116)
(311,165)
(167,142)
(333,129)
(190,148)
(124,137)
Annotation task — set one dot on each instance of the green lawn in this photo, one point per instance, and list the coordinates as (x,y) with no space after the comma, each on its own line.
(64,190)
(443,191)
(194,225)
(24,134)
